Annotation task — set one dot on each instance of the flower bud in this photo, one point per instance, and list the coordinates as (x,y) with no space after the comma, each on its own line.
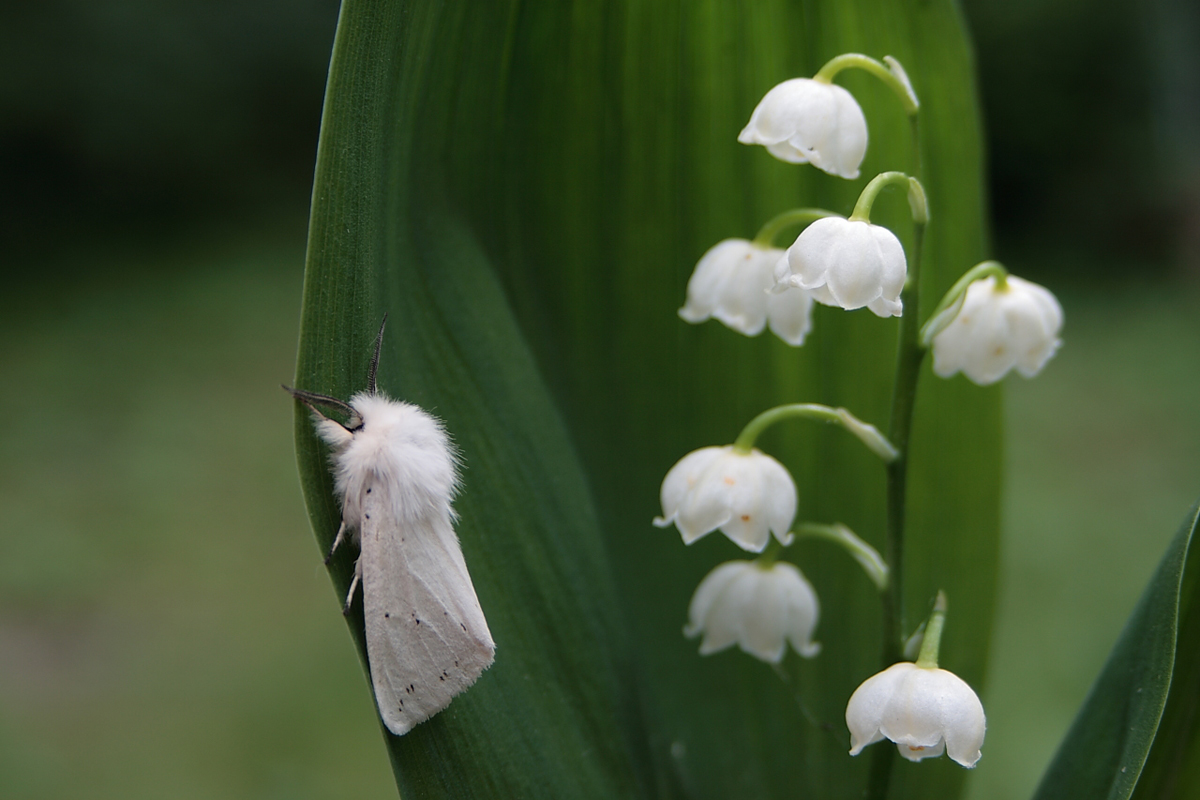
(925,711)
(997,328)
(810,121)
(846,263)
(731,284)
(758,607)
(745,495)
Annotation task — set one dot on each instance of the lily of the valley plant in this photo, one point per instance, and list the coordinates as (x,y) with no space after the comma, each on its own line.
(987,324)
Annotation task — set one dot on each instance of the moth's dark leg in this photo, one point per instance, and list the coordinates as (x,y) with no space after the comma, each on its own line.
(353,586)
(337,540)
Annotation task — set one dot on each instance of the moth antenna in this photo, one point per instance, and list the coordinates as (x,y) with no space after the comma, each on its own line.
(375,358)
(312,400)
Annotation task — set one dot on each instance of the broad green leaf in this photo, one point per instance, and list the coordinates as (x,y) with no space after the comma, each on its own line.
(1173,766)
(1103,753)
(556,715)
(525,189)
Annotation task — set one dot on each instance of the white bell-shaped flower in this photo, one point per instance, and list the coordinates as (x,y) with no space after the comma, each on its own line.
(925,711)
(760,608)
(747,496)
(804,120)
(732,284)
(846,263)
(999,328)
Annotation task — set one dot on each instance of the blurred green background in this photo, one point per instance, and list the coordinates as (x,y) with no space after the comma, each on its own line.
(166,626)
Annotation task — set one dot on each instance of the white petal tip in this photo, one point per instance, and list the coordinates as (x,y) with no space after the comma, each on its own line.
(967,763)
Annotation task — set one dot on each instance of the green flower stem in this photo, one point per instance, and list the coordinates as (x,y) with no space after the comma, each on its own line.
(770,554)
(948,309)
(914,125)
(867,434)
(904,393)
(909,354)
(886,74)
(780,222)
(866,556)
(928,659)
(916,196)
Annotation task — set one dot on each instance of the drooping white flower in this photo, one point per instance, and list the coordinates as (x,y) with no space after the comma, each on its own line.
(846,263)
(760,608)
(997,329)
(745,495)
(804,120)
(731,284)
(925,711)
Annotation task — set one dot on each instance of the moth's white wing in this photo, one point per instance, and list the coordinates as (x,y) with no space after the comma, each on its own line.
(427,639)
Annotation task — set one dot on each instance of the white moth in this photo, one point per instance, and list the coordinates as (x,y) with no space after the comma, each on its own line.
(395,473)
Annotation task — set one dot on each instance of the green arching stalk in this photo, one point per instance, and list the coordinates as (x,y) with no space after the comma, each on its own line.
(916,196)
(866,556)
(892,74)
(866,433)
(947,310)
(765,238)
(928,659)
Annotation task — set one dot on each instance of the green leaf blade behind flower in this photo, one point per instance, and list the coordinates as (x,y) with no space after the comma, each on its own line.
(525,188)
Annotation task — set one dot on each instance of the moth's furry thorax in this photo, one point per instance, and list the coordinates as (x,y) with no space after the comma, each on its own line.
(399,449)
